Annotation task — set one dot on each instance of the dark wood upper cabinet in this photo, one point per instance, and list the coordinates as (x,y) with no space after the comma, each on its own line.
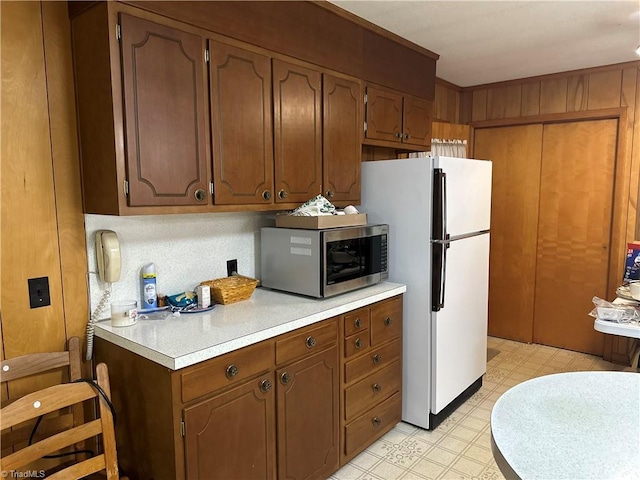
(255,130)
(384,115)
(417,121)
(342,141)
(396,118)
(240,85)
(297,115)
(165,114)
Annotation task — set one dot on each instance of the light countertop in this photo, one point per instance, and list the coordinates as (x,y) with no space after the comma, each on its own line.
(179,342)
(571,425)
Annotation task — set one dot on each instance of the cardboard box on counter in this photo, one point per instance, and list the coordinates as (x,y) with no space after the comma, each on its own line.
(321,221)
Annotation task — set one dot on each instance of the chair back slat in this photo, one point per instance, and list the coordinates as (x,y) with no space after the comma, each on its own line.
(32,364)
(51,445)
(48,426)
(45,401)
(80,470)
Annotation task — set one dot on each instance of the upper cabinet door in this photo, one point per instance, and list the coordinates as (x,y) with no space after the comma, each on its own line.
(342,128)
(166,139)
(297,110)
(242,125)
(384,115)
(417,121)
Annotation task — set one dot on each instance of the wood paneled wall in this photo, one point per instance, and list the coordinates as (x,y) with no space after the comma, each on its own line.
(574,94)
(42,221)
(567,93)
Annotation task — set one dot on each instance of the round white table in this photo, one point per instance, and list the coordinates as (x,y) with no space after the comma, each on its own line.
(576,425)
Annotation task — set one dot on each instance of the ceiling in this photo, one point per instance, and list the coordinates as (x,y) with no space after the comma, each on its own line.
(490,41)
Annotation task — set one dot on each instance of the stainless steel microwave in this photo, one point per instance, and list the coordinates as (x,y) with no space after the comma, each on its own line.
(323,263)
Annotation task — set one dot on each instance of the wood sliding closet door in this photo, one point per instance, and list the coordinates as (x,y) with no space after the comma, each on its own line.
(551,216)
(516,155)
(576,201)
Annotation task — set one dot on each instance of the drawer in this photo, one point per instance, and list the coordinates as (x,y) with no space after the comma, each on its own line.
(364,430)
(229,369)
(386,320)
(306,341)
(356,343)
(372,389)
(356,321)
(373,360)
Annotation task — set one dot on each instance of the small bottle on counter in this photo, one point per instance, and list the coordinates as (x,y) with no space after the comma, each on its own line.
(149,292)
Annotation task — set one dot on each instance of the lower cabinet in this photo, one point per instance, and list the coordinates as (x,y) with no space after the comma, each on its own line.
(297,406)
(308,417)
(246,411)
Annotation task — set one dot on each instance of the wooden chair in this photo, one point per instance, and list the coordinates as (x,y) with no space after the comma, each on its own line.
(57,397)
(59,367)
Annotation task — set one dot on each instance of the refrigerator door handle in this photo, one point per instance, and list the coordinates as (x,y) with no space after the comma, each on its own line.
(439,222)
(445,235)
(438,281)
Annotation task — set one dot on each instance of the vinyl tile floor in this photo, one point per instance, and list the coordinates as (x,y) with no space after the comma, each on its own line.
(460,447)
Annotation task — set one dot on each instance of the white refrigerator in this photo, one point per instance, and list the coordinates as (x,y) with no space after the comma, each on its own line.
(438,210)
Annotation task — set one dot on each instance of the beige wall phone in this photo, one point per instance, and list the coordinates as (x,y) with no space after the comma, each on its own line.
(109,265)
(108,256)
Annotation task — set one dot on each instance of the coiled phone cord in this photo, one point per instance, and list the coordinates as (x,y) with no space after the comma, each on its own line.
(91,324)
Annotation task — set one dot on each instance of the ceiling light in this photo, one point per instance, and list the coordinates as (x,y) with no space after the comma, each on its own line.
(638,50)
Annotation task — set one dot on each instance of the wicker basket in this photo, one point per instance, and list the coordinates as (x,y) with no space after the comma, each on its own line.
(231,289)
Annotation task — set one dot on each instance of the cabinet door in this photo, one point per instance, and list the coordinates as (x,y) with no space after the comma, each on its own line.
(308,417)
(417,121)
(240,85)
(342,139)
(384,115)
(165,119)
(232,435)
(297,104)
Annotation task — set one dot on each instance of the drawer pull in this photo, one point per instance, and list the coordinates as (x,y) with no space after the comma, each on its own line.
(232,371)
(376,387)
(266,195)
(375,421)
(357,322)
(265,386)
(388,321)
(376,359)
(311,342)
(357,343)
(282,194)
(285,378)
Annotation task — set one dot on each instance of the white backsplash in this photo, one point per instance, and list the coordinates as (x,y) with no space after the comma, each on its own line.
(186,249)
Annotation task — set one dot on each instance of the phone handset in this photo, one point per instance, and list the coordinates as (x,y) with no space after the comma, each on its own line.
(109,265)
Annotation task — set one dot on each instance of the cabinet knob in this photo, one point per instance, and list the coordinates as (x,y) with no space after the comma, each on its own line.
(399,135)
(376,387)
(311,342)
(357,322)
(232,371)
(285,378)
(357,343)
(200,195)
(265,386)
(405,136)
(388,321)
(282,194)
(376,359)
(375,421)
(330,193)
(266,195)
